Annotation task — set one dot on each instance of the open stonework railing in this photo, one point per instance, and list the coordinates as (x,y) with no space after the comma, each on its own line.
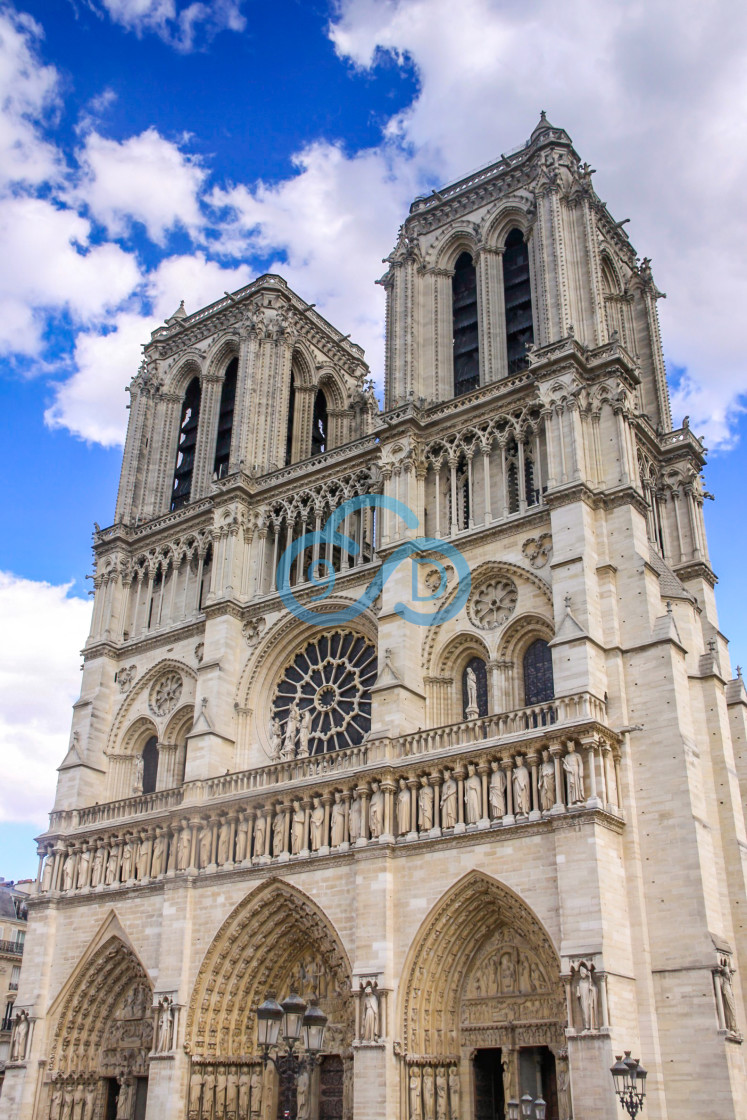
(557,759)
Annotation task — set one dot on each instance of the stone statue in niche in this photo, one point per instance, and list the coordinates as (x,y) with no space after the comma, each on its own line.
(244,1094)
(55,1104)
(497,791)
(143,854)
(126,1099)
(454,1092)
(165,1036)
(260,831)
(224,842)
(356,809)
(416,1111)
(111,869)
(83,861)
(20,1037)
(442,1085)
(473,795)
(184,848)
(297,828)
(428,1094)
(317,824)
(67,1105)
(137,781)
(256,1092)
(403,808)
(508,973)
(303,1095)
(127,859)
(574,775)
(46,881)
(471,681)
(276,739)
(564,1086)
(159,854)
(586,996)
(91,1094)
(291,731)
(448,801)
(98,865)
(242,836)
(304,734)
(522,789)
(204,845)
(338,821)
(278,828)
(68,871)
(546,782)
(376,811)
(371,1028)
(723,978)
(232,1093)
(425,804)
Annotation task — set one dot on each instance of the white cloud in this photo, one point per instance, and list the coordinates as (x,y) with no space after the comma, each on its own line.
(28,96)
(43,629)
(54,268)
(654,95)
(181,27)
(92,402)
(145,179)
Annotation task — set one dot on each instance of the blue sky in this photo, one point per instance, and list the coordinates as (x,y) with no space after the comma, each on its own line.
(152,151)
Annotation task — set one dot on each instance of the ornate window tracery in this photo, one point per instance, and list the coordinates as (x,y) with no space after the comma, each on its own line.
(539,685)
(331,679)
(185,453)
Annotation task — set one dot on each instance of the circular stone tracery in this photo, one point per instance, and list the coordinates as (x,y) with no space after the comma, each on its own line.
(165,693)
(493,604)
(332,677)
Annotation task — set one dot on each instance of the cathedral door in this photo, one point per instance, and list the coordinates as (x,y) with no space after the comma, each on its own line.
(489,1099)
(141,1096)
(330,1088)
(537,1077)
(112,1096)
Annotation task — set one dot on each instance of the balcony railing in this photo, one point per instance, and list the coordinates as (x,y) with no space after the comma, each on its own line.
(15,947)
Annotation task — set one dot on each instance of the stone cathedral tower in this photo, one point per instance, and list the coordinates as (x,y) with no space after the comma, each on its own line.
(499,850)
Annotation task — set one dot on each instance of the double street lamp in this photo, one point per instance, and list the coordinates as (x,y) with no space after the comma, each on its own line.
(295,1017)
(629,1077)
(527,1108)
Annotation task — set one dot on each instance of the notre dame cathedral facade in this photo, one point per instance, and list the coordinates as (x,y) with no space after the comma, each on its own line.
(500,849)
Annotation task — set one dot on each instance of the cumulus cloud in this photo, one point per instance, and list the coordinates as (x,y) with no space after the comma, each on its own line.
(182,27)
(38,683)
(91,403)
(146,179)
(29,97)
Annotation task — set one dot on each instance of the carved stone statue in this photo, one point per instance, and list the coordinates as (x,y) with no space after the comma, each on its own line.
(278,828)
(727,998)
(564,1087)
(164,1041)
(91,1095)
(425,804)
(371,1029)
(67,1105)
(416,1109)
(244,1094)
(508,973)
(297,828)
(20,1037)
(497,791)
(126,1099)
(471,681)
(46,880)
(55,1104)
(68,871)
(111,868)
(546,782)
(522,788)
(260,830)
(127,859)
(454,1092)
(303,1095)
(376,811)
(232,1093)
(137,781)
(573,765)
(83,862)
(473,795)
(184,848)
(354,826)
(304,734)
(448,802)
(224,842)
(276,739)
(291,731)
(586,994)
(159,855)
(204,844)
(79,1099)
(143,857)
(242,835)
(338,821)
(317,824)
(403,808)
(98,865)
(441,1094)
(428,1094)
(256,1092)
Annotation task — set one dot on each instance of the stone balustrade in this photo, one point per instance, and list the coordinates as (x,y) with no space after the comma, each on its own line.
(483,787)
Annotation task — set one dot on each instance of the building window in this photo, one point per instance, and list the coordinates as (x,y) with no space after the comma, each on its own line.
(289,429)
(319,436)
(464,310)
(478,667)
(7,1023)
(15,976)
(538,680)
(225,420)
(150,765)
(185,452)
(518,300)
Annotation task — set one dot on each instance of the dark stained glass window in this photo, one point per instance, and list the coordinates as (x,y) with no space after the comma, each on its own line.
(225,419)
(150,765)
(477,665)
(289,429)
(185,451)
(517,296)
(538,680)
(319,425)
(466,345)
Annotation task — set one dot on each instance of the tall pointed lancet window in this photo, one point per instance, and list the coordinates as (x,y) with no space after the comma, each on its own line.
(319,436)
(225,419)
(466,343)
(185,452)
(518,300)
(290,422)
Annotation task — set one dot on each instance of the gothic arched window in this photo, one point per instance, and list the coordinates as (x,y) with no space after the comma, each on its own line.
(225,419)
(466,342)
(319,433)
(478,667)
(150,765)
(517,296)
(185,451)
(539,686)
(289,427)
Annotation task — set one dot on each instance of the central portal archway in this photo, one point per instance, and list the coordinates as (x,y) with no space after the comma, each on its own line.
(276,940)
(482,1007)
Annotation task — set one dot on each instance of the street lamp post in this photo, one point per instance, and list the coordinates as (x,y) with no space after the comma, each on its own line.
(294,1017)
(629,1078)
(527,1108)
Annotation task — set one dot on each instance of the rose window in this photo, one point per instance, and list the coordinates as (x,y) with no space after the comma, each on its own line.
(493,604)
(331,678)
(165,694)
